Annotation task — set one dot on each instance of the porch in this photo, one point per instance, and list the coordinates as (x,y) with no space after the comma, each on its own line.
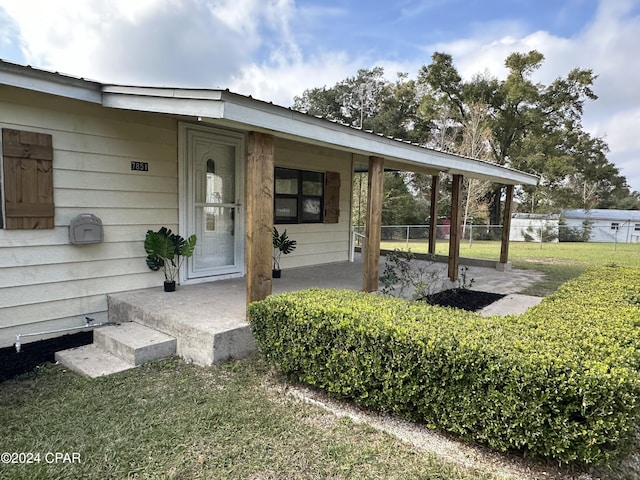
(206,323)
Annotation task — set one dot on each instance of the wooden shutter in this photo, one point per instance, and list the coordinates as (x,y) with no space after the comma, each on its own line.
(331,197)
(28,179)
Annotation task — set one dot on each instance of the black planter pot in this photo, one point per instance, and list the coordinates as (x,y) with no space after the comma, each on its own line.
(276,273)
(169,286)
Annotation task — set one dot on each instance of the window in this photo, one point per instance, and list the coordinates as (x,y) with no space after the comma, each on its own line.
(299,196)
(614,225)
(27,180)
(636,228)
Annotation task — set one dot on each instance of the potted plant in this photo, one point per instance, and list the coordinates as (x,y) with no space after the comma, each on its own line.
(167,250)
(282,244)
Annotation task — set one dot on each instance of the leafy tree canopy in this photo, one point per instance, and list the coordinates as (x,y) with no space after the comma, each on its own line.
(517,122)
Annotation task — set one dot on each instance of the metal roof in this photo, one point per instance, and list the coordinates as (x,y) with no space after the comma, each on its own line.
(536,216)
(222,107)
(603,214)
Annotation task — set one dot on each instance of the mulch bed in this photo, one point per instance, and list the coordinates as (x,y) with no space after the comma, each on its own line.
(472,300)
(33,354)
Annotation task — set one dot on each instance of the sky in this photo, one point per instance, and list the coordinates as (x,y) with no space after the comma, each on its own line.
(275,49)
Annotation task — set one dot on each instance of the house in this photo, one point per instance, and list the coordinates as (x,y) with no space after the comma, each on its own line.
(596,225)
(531,227)
(88,168)
(605,225)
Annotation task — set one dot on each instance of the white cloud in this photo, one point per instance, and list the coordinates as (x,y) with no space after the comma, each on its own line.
(281,82)
(179,42)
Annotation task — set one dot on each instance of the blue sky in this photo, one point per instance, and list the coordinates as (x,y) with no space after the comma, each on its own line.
(275,49)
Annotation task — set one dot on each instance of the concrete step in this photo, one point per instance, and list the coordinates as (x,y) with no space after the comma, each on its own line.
(208,321)
(91,361)
(134,343)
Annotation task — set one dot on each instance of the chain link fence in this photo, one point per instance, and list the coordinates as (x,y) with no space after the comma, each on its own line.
(537,232)
(408,233)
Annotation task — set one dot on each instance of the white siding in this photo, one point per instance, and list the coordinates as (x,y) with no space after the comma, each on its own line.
(47,283)
(531,227)
(601,230)
(318,242)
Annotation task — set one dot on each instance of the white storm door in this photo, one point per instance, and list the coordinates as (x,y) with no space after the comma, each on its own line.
(215,212)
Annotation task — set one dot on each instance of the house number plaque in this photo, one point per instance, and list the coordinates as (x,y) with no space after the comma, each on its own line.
(140,166)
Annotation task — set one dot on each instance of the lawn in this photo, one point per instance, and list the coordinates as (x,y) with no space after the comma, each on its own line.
(169,420)
(560,261)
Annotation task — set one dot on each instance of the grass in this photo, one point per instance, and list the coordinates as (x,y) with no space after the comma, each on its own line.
(559,261)
(172,420)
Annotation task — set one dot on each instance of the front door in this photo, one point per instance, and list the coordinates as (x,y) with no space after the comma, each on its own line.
(214,202)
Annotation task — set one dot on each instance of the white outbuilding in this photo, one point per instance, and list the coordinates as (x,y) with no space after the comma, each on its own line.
(621,226)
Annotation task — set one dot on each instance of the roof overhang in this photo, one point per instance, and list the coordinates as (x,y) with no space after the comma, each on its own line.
(222,107)
(47,82)
(246,113)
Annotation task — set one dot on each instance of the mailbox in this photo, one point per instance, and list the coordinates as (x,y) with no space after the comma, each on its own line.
(85,228)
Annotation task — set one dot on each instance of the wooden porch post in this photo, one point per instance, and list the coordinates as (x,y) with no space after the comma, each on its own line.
(454,228)
(433,212)
(259,225)
(375,193)
(506,228)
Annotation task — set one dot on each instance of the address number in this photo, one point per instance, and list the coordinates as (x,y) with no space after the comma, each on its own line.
(140,166)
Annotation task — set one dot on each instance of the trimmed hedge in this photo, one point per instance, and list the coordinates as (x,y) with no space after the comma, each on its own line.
(561,381)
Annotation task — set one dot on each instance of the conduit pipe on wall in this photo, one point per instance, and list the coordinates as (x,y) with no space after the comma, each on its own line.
(89,324)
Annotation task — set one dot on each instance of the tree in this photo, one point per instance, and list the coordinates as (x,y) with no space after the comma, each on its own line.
(523,124)
(352,101)
(395,111)
(359,190)
(533,127)
(399,206)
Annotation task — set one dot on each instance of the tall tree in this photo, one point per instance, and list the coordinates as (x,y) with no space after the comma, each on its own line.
(527,120)
(367,101)
(532,127)
(399,206)
(475,144)
(352,101)
(395,112)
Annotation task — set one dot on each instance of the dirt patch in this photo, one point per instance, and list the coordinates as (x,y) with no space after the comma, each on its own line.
(549,261)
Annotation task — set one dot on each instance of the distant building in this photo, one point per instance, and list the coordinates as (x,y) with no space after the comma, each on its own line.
(622,226)
(597,225)
(531,227)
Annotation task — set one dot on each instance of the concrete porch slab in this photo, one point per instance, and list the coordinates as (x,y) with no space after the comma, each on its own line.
(209,319)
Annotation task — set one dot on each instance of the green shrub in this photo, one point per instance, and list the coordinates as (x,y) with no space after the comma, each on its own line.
(561,381)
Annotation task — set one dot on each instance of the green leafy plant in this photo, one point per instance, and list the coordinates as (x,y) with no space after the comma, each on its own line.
(548,233)
(574,234)
(403,274)
(282,245)
(561,381)
(167,251)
